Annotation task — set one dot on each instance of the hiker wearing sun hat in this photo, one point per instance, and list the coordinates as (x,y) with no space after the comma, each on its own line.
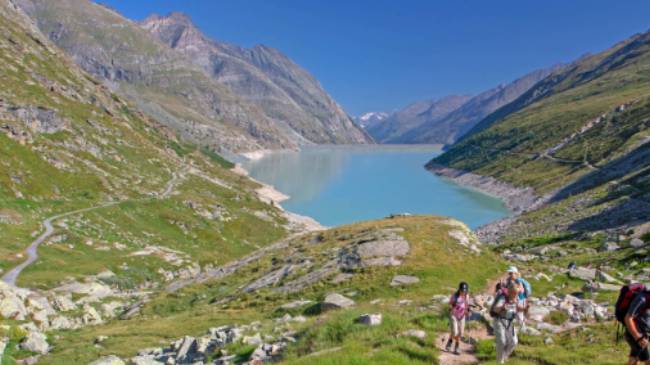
(525,291)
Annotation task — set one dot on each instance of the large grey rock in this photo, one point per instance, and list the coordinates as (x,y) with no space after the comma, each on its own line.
(35,342)
(382,249)
(11,304)
(186,350)
(605,277)
(108,360)
(336,301)
(538,313)
(91,316)
(401,280)
(583,273)
(637,243)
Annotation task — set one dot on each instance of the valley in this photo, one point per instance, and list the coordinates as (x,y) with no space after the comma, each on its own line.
(167,198)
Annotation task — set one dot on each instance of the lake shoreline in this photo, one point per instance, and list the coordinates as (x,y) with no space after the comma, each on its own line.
(268,194)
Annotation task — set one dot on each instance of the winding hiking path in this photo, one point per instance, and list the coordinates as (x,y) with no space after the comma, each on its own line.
(32,251)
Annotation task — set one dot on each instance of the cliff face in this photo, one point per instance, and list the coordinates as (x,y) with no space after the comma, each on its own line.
(179,87)
(263,76)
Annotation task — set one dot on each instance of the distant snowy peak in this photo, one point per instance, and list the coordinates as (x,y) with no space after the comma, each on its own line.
(371,118)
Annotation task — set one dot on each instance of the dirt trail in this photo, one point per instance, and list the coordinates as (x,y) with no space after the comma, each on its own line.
(467,350)
(32,251)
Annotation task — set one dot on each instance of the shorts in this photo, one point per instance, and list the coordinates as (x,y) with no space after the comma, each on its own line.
(636,350)
(457,326)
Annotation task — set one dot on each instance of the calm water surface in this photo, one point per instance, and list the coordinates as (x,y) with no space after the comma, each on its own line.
(344,184)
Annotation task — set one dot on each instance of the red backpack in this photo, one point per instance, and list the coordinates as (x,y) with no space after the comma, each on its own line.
(625,298)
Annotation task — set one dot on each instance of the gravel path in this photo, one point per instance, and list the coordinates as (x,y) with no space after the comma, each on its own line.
(32,251)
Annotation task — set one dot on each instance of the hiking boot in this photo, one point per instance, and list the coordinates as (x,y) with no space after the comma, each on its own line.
(456,349)
(448,346)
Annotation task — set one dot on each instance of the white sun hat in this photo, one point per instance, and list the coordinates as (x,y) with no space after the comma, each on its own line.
(513,269)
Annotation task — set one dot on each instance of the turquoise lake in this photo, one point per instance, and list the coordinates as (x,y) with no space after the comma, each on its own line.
(344,184)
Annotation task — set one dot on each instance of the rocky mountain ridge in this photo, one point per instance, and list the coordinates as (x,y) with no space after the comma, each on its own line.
(180,93)
(264,76)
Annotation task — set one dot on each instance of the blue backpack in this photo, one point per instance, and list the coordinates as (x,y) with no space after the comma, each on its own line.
(527,288)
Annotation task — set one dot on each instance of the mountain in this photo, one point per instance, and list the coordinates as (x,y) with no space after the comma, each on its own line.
(577,142)
(169,85)
(413,116)
(451,121)
(451,127)
(263,76)
(371,118)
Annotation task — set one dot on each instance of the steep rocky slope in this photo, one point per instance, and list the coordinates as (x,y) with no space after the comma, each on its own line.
(263,76)
(414,116)
(453,126)
(170,86)
(578,139)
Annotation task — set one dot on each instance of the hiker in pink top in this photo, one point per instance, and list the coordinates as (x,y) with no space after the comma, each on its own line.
(458,310)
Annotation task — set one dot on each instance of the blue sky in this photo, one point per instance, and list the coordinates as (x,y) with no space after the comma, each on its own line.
(379,55)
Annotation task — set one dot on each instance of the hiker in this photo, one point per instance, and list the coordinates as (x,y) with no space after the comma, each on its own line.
(524,293)
(458,310)
(637,325)
(504,311)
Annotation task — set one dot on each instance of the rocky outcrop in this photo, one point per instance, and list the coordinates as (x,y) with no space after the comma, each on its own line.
(336,301)
(403,280)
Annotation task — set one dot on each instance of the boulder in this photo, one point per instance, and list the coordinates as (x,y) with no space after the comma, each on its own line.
(11,305)
(401,280)
(35,342)
(108,360)
(186,350)
(370,319)
(336,301)
(605,277)
(253,340)
(530,331)
(637,243)
(538,313)
(583,273)
(90,315)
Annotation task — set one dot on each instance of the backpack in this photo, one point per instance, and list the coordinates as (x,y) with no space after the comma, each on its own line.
(500,294)
(625,298)
(527,288)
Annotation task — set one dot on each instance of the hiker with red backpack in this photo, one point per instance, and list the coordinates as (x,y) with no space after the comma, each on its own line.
(458,310)
(504,311)
(633,310)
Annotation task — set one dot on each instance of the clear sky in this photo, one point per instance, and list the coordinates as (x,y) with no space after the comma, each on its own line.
(379,55)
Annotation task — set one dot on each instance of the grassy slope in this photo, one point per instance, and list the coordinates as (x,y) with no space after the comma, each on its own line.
(109,152)
(503,144)
(435,258)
